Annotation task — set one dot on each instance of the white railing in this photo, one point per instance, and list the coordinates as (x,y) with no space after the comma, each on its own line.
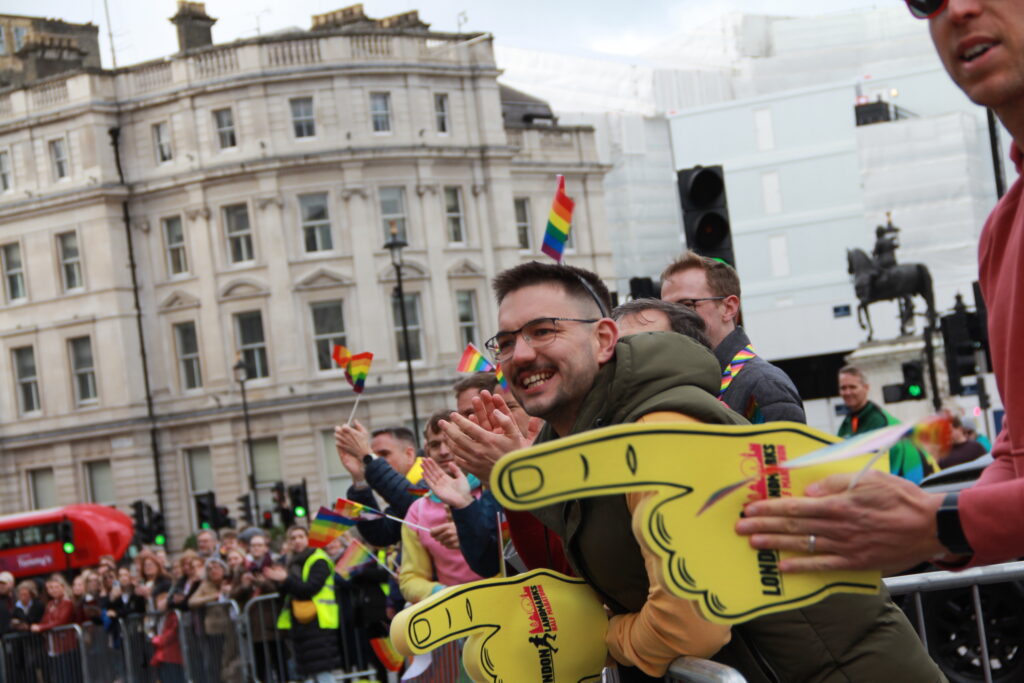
(289,52)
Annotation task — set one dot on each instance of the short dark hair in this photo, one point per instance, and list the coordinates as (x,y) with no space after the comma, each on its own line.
(722,278)
(680,318)
(294,527)
(578,283)
(478,380)
(443,414)
(397,433)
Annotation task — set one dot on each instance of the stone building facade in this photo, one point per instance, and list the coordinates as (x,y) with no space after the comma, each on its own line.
(161,221)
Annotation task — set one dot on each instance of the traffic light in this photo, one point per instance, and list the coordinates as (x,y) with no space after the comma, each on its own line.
(158,529)
(912,388)
(222,518)
(142,516)
(281,504)
(300,500)
(206,510)
(706,212)
(959,347)
(268,519)
(245,510)
(642,288)
(67,537)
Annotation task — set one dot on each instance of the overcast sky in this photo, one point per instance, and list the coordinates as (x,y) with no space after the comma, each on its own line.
(142,32)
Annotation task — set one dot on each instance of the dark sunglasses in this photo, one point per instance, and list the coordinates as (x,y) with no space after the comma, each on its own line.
(926,9)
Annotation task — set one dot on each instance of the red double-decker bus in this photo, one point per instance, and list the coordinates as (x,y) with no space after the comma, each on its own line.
(59,539)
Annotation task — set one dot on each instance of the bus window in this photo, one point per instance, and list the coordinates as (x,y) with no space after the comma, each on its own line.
(7,539)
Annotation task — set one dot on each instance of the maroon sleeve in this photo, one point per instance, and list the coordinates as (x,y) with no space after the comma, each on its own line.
(63,613)
(529,537)
(992,511)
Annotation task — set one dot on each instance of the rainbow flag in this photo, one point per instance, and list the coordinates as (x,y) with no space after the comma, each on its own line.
(355,511)
(327,526)
(473,361)
(502,379)
(341,355)
(355,556)
(387,654)
(356,370)
(559,223)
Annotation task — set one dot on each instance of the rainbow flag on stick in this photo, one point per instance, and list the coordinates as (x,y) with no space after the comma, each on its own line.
(387,654)
(327,526)
(473,361)
(340,355)
(356,370)
(355,556)
(559,223)
(364,513)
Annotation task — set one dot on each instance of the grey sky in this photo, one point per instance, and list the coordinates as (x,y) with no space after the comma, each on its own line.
(142,32)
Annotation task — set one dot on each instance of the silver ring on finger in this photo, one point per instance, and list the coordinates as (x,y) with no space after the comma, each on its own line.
(812,540)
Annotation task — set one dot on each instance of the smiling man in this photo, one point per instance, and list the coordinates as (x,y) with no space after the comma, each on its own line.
(750,385)
(886,522)
(567,364)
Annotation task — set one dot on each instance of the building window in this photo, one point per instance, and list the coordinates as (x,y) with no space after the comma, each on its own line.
(236,222)
(380,111)
(412,317)
(59,158)
(266,469)
(26,379)
(328,329)
(224,122)
(252,344)
(3,42)
(188,355)
(19,37)
(316,224)
(162,142)
(303,122)
(522,205)
(764,131)
(100,478)
(441,111)
(43,488)
(778,251)
(6,182)
(465,304)
(771,192)
(174,244)
(82,370)
(70,260)
(453,215)
(200,469)
(338,478)
(392,211)
(14,272)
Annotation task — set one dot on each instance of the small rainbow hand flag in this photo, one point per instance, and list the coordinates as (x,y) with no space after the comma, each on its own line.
(327,526)
(502,379)
(473,361)
(341,355)
(355,511)
(389,657)
(355,556)
(559,223)
(356,370)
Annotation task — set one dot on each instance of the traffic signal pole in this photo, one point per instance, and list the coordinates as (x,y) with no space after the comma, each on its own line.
(929,355)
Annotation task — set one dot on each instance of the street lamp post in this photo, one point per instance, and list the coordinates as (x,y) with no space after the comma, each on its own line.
(395,246)
(242,374)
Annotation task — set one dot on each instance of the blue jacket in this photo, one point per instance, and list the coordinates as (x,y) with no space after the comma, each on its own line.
(394,489)
(477,526)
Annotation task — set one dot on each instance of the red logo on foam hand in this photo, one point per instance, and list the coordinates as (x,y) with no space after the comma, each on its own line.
(761,463)
(536,604)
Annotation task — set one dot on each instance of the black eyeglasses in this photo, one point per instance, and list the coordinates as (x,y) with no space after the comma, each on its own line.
(536,333)
(692,303)
(926,9)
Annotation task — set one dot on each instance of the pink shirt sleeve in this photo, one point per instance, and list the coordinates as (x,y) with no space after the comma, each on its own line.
(992,511)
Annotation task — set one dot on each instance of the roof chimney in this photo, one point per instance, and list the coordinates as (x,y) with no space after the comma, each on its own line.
(193,24)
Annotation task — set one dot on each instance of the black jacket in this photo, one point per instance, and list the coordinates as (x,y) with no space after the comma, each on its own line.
(760,391)
(6,612)
(393,488)
(316,649)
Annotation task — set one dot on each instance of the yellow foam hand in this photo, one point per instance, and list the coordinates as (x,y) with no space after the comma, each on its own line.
(537,626)
(702,557)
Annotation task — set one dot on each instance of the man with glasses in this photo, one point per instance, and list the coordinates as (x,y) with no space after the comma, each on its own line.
(566,363)
(750,385)
(886,522)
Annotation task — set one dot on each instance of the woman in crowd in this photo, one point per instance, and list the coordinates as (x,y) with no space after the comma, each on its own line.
(190,567)
(212,602)
(28,609)
(153,578)
(61,648)
(167,659)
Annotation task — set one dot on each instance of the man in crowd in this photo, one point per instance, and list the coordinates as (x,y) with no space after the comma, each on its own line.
(965,448)
(206,543)
(386,464)
(886,522)
(905,460)
(6,601)
(469,387)
(657,315)
(566,364)
(750,385)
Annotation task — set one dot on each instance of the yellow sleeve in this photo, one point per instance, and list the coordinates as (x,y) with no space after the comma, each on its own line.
(666,627)
(415,576)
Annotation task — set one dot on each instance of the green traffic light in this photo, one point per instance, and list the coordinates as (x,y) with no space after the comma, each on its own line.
(300,511)
(204,525)
(69,547)
(160,539)
(914,390)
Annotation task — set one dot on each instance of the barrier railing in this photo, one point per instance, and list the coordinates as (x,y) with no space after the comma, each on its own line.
(978,628)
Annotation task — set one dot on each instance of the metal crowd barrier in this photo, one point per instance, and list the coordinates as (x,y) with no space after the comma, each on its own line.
(972,591)
(56,656)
